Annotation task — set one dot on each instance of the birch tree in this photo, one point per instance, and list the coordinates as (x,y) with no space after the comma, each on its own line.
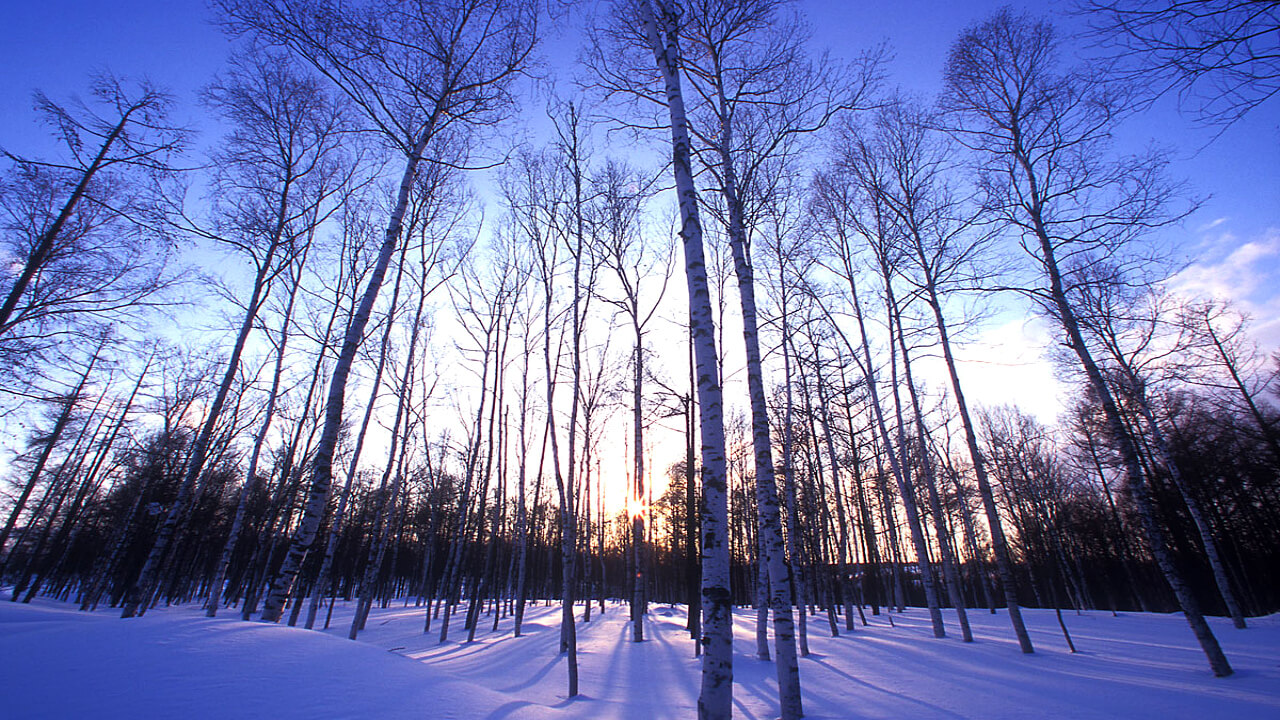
(82,232)
(423,77)
(277,168)
(758,94)
(1043,138)
(653,28)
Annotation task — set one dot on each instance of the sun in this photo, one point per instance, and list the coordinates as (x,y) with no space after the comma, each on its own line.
(636,507)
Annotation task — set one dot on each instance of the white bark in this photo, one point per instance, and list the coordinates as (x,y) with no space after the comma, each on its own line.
(322,464)
(715,700)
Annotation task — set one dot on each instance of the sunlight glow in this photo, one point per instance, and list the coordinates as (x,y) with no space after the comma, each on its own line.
(636,508)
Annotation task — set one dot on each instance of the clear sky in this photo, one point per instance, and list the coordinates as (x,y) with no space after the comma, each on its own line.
(53,45)
(1231,245)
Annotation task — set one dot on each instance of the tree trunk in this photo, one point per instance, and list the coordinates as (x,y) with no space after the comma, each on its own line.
(59,425)
(715,699)
(999,545)
(776,549)
(322,464)
(1193,508)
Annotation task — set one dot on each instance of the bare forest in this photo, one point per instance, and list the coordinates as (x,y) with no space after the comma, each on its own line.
(448,307)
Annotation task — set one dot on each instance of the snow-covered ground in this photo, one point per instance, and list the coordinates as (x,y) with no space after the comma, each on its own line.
(175,663)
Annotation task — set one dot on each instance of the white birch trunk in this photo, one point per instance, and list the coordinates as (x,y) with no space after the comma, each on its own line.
(776,548)
(715,700)
(322,465)
(899,473)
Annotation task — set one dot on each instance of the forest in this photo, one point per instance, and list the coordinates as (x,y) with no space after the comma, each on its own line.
(449,306)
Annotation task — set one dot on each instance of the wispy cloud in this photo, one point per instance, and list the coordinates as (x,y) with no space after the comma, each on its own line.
(1211,224)
(1248,276)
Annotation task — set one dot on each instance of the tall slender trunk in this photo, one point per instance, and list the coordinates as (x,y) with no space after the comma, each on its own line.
(393,469)
(820,543)
(450,590)
(777,549)
(890,515)
(324,579)
(978,562)
(259,440)
(872,556)
(481,583)
(795,582)
(322,464)
(1161,447)
(999,545)
(637,519)
(692,509)
(386,496)
(715,699)
(761,599)
(1124,442)
(523,579)
(567,485)
(845,560)
(522,511)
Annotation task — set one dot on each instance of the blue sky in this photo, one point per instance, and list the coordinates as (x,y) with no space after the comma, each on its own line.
(53,45)
(1231,246)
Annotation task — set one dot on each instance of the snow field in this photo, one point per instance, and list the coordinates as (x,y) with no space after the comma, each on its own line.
(175,663)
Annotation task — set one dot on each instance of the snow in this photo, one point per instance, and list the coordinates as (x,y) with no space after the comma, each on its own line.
(175,663)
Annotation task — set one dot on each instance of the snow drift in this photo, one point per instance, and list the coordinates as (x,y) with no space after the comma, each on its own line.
(175,663)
